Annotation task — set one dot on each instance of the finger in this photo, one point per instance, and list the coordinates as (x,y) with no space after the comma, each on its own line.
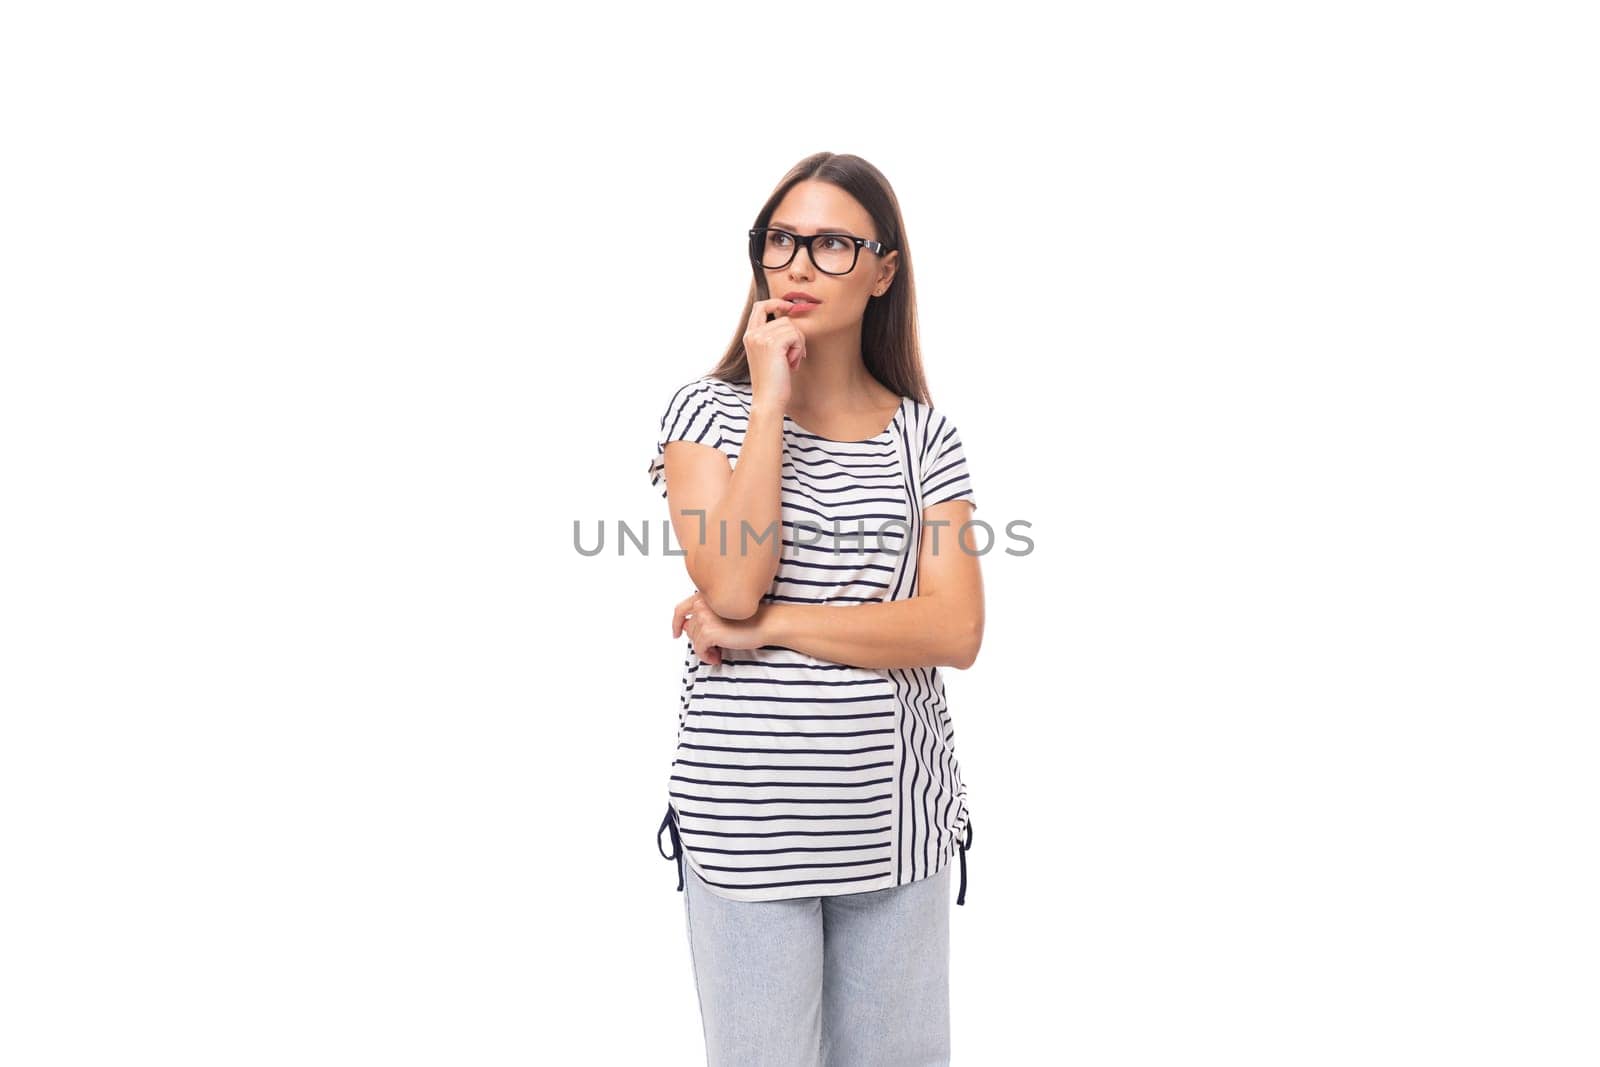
(759,311)
(784,331)
(678,613)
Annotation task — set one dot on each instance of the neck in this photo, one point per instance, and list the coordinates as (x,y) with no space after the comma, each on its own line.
(834,377)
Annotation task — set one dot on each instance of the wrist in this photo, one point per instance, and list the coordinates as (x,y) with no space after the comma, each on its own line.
(770,620)
(767,411)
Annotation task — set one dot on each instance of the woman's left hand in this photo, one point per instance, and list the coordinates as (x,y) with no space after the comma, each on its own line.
(710,632)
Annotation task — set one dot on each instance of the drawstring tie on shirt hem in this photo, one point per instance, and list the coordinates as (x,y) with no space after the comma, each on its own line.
(965,843)
(669,823)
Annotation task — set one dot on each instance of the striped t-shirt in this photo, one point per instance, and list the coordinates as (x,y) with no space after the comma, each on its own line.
(796,776)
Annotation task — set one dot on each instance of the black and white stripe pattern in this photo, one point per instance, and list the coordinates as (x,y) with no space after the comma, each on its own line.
(795,776)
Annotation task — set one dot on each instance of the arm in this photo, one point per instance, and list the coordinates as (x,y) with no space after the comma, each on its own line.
(941,626)
(732,578)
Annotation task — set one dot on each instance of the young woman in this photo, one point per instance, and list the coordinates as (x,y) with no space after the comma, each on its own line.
(819,500)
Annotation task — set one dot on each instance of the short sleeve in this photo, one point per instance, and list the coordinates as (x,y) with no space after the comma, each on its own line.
(944,466)
(693,414)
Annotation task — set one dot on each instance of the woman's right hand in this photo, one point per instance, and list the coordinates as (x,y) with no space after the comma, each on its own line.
(773,349)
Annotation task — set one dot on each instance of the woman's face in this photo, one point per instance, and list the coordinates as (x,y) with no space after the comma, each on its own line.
(821,207)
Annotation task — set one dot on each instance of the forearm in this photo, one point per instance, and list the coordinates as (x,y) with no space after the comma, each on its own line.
(736,551)
(920,632)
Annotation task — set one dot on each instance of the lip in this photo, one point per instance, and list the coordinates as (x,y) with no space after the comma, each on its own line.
(801,296)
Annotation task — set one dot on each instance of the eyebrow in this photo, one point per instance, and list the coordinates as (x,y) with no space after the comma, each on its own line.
(826,229)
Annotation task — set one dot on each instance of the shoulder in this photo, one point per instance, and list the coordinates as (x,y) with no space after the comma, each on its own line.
(715,388)
(708,411)
(942,461)
(728,392)
(703,393)
(702,411)
(931,430)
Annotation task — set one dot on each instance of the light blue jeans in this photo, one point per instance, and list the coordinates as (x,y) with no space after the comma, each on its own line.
(854,980)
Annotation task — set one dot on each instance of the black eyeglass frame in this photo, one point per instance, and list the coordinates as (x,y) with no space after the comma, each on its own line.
(758,233)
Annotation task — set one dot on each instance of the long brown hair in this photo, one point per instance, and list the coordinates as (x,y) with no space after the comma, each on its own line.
(889,344)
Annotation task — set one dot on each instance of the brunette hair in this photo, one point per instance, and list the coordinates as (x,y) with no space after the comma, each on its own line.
(889,344)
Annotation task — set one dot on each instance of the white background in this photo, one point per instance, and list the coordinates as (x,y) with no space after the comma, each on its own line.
(323,324)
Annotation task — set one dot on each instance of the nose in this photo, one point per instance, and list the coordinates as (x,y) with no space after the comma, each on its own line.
(795,269)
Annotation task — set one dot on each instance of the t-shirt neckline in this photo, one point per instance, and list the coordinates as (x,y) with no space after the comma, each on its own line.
(880,435)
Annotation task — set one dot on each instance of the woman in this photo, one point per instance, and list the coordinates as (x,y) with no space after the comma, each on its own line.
(815,793)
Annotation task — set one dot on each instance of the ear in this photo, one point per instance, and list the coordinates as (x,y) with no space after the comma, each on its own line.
(891,264)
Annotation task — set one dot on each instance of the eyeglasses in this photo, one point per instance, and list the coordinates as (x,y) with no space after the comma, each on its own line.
(831,253)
